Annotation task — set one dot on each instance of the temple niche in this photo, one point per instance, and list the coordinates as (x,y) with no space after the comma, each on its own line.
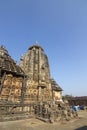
(39,86)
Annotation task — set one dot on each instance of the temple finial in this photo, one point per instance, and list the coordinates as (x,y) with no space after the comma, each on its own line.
(36,42)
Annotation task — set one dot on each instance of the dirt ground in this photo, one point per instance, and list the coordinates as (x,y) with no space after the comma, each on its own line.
(35,124)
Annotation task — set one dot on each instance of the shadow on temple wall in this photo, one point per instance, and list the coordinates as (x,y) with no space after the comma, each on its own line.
(82,128)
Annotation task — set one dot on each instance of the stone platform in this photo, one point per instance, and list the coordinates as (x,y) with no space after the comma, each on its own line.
(35,124)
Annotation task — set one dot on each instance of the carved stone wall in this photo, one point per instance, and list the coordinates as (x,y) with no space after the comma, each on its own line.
(35,64)
(11,91)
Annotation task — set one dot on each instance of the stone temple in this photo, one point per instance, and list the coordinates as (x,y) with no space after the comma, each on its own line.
(40,86)
(27,90)
(30,81)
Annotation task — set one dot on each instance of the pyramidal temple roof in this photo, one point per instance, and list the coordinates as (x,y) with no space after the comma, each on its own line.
(7,63)
(55,86)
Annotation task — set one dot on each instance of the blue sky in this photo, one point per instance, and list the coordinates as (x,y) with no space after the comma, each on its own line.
(60,27)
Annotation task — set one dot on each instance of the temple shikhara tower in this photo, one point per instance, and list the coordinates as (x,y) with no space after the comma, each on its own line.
(39,83)
(35,64)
